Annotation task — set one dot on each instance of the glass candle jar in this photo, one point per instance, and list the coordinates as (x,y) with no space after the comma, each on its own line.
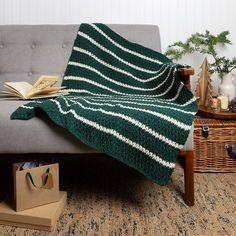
(224,102)
(215,104)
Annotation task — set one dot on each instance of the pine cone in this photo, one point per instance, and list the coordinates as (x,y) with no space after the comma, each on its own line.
(232,105)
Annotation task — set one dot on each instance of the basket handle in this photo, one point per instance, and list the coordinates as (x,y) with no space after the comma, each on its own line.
(231,152)
(46,178)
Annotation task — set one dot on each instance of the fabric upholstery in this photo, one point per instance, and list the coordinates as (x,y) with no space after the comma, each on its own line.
(39,135)
(28,51)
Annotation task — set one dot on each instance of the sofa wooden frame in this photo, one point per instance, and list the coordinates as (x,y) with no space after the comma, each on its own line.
(188,155)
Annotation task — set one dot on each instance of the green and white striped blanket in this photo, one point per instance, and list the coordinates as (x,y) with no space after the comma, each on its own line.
(125,100)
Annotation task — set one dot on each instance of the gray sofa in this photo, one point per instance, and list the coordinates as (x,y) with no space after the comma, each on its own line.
(26,52)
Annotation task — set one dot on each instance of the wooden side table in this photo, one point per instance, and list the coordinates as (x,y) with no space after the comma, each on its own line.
(225,115)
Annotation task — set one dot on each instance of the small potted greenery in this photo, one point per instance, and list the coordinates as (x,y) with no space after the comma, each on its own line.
(205,44)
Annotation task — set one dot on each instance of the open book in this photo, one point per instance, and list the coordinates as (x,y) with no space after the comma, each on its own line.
(44,87)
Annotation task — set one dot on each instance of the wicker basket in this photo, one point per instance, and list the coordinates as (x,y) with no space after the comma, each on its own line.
(211,153)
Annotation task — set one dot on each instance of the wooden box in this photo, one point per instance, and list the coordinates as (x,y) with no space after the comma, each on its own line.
(211,154)
(42,218)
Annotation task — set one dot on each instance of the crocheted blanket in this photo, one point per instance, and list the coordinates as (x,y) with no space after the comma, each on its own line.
(125,100)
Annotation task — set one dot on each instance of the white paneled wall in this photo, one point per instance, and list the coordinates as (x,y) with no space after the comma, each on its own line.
(177,18)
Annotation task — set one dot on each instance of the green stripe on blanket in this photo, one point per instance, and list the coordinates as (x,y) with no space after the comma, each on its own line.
(125,100)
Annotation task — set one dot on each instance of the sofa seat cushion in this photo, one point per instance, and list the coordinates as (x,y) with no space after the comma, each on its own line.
(37,135)
(41,135)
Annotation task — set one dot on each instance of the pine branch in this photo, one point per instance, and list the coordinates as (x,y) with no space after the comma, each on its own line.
(205,44)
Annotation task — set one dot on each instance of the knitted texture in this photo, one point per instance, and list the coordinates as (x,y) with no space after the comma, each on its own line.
(125,100)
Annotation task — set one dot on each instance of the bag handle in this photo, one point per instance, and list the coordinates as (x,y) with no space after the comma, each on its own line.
(45,178)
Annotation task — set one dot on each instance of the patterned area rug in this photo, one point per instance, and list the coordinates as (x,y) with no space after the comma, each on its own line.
(107,198)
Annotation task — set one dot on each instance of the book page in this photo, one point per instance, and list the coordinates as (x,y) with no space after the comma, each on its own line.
(50,95)
(18,88)
(47,90)
(44,87)
(9,94)
(42,84)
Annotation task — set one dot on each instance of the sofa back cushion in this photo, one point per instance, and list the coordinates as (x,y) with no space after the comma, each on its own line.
(28,51)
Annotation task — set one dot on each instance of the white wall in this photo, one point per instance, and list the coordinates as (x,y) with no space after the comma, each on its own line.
(177,19)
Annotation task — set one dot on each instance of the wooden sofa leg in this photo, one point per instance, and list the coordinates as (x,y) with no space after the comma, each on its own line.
(189,178)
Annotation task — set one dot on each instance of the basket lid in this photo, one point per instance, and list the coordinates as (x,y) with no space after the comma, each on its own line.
(199,121)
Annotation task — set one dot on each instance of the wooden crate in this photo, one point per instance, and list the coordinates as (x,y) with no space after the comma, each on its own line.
(210,154)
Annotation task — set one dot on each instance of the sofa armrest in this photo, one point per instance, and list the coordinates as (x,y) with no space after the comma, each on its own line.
(185,74)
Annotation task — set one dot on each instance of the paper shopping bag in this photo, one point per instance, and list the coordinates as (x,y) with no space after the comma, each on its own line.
(35,186)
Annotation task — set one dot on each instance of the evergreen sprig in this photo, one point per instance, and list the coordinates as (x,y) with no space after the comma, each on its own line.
(205,44)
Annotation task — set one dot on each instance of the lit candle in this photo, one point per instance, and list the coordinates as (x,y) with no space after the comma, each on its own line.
(215,104)
(224,101)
